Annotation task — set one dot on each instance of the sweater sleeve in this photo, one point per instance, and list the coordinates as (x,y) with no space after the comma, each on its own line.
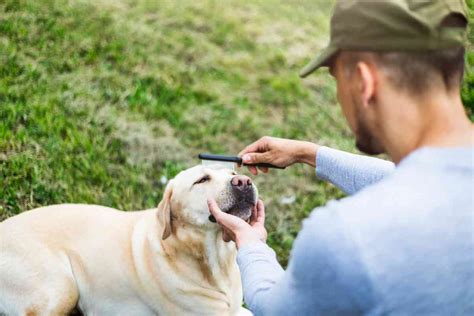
(325,276)
(350,172)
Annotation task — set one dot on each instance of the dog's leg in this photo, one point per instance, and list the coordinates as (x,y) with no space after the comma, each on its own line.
(36,285)
(56,298)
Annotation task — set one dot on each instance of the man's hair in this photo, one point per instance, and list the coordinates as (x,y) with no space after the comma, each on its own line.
(415,72)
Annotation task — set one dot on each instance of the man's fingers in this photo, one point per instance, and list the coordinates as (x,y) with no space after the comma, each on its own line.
(230,222)
(253,170)
(254,158)
(226,235)
(257,152)
(260,212)
(253,217)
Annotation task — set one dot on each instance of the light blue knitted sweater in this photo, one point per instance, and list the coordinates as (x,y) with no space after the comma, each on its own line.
(401,244)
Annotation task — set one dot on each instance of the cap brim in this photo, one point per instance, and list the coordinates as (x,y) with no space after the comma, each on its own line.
(321,60)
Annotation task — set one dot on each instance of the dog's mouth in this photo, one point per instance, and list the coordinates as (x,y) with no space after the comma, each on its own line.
(242,206)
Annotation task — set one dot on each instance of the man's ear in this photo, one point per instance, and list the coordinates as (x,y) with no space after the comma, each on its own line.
(367,79)
(164,212)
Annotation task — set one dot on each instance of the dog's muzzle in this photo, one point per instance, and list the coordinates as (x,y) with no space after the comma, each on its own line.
(244,198)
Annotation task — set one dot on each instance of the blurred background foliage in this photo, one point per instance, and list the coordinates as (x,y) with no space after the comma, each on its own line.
(467,92)
(100,101)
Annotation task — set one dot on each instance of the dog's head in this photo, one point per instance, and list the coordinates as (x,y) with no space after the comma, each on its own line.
(185,197)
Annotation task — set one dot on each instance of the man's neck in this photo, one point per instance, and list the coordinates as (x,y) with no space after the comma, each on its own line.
(436,122)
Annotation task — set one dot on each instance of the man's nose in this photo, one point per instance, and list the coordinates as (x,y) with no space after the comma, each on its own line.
(241,182)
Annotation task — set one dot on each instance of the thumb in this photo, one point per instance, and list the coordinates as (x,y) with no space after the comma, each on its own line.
(253,158)
(214,208)
(229,221)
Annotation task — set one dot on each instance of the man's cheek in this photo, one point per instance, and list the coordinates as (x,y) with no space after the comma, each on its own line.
(348,111)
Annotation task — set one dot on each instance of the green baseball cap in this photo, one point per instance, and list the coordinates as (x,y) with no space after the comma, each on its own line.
(391,25)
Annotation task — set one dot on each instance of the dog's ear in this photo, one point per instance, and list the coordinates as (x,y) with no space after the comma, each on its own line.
(164,212)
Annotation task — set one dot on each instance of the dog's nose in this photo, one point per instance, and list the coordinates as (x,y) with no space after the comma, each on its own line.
(241,182)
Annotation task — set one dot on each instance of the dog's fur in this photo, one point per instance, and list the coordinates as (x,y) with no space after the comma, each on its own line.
(167,261)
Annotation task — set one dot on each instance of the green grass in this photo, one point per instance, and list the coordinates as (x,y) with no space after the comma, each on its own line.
(100,99)
(467,92)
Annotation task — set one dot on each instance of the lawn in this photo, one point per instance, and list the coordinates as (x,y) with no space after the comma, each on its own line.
(100,100)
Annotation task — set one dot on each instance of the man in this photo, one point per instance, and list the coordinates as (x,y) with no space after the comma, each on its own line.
(402,243)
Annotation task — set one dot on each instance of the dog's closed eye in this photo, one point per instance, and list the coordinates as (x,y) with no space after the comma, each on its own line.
(203,179)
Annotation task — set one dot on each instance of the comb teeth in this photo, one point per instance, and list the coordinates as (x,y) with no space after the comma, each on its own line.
(218,164)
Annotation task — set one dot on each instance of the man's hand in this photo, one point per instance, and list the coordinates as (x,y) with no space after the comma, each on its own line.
(236,229)
(279,152)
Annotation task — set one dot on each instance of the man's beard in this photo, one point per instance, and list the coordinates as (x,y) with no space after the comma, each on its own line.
(365,141)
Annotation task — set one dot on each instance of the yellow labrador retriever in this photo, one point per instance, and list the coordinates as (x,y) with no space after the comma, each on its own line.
(165,261)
